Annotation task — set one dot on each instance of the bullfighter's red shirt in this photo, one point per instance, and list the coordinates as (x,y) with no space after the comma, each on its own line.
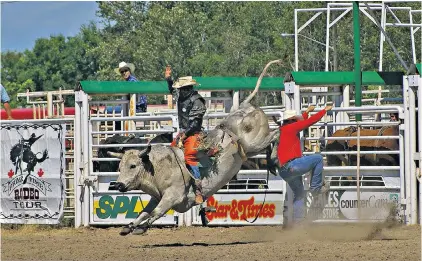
(289,143)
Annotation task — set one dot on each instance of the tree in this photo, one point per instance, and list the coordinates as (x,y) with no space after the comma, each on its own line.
(196,38)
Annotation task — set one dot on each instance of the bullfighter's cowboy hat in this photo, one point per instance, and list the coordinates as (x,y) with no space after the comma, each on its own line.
(184,81)
(130,66)
(289,114)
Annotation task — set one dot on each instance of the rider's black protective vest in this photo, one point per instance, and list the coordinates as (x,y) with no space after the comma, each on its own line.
(184,107)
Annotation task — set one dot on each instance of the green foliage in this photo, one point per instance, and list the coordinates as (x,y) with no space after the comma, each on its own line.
(196,38)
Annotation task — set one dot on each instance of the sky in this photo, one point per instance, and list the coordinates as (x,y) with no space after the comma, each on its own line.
(23,22)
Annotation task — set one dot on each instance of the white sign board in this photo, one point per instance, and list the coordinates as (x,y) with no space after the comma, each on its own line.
(32,173)
(343,205)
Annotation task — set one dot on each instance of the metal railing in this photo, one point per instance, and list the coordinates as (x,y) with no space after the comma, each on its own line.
(47,105)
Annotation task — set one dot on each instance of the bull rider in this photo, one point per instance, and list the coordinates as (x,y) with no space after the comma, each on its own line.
(190,111)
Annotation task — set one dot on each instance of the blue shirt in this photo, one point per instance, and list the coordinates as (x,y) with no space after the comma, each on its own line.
(117,109)
(4,97)
(142,99)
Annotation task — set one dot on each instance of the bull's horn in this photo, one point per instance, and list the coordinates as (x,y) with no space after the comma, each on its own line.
(115,154)
(145,151)
(258,83)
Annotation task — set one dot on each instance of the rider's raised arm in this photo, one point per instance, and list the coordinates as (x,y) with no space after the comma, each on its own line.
(172,90)
(169,79)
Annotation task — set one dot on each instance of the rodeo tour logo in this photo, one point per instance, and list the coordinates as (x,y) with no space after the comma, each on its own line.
(32,173)
(21,154)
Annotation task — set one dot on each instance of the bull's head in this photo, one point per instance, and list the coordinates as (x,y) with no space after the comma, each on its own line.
(133,165)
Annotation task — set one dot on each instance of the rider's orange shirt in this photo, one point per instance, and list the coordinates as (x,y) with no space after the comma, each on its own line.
(190,146)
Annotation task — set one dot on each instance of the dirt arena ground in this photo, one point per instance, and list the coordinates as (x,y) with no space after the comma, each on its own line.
(321,242)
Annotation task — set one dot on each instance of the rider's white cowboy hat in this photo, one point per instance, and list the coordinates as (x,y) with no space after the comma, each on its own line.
(131,67)
(184,81)
(288,114)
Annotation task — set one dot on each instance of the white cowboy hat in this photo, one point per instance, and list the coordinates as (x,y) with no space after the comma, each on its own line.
(131,67)
(287,114)
(184,81)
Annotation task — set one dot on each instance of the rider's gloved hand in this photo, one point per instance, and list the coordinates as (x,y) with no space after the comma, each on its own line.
(182,138)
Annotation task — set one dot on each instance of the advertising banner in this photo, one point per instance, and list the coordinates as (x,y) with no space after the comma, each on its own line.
(32,173)
(124,208)
(343,205)
(238,209)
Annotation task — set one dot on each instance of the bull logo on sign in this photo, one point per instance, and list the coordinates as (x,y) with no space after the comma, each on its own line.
(21,152)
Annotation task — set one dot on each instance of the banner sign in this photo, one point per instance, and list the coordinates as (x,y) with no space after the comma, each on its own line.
(124,208)
(241,209)
(32,173)
(343,205)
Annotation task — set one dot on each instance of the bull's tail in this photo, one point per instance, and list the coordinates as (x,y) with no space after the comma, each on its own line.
(258,83)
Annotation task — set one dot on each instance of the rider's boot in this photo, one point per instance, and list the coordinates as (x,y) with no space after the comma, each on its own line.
(198,192)
(197,184)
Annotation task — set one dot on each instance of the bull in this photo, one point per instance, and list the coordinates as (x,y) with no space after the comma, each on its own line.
(160,171)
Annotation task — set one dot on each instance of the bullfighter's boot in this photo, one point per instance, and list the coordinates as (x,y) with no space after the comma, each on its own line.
(323,190)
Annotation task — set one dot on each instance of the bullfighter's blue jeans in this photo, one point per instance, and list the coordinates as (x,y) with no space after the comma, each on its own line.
(292,173)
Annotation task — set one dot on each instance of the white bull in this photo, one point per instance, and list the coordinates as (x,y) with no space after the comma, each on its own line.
(160,171)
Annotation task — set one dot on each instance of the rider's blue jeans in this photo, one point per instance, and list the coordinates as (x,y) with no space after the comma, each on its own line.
(195,171)
(292,173)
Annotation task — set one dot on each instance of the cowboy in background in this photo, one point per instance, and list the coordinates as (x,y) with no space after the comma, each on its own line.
(5,100)
(126,70)
(190,111)
(394,117)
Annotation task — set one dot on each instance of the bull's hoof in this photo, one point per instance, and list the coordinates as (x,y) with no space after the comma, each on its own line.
(139,230)
(126,231)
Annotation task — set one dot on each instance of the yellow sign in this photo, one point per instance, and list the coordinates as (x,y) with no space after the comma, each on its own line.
(108,206)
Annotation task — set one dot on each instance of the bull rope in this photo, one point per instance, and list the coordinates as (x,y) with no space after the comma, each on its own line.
(244,157)
(235,141)
(268,152)
(183,170)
